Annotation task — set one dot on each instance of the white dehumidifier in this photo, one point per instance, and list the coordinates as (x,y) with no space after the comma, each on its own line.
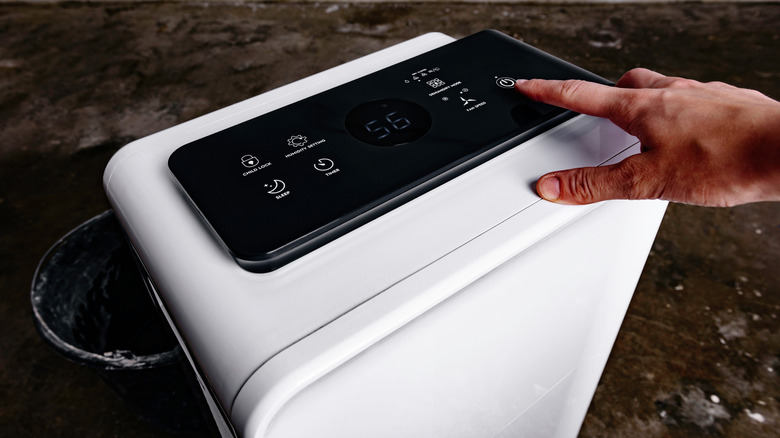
(361,253)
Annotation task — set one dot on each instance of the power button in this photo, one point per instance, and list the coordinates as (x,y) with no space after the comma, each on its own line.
(505,82)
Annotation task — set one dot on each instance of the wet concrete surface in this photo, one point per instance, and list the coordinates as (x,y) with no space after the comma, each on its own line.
(699,350)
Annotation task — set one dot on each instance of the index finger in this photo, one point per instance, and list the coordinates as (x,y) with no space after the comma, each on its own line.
(577,95)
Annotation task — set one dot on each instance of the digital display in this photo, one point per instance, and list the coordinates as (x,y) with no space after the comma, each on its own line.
(388,122)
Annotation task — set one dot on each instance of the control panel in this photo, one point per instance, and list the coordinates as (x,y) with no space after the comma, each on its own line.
(282,184)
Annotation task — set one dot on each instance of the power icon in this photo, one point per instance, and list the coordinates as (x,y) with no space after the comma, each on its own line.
(505,82)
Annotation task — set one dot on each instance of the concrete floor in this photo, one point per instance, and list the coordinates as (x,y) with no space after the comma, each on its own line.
(699,351)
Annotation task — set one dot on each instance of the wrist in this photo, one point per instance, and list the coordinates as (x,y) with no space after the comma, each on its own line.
(764,155)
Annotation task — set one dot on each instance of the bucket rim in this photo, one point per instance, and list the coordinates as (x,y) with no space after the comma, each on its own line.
(114,360)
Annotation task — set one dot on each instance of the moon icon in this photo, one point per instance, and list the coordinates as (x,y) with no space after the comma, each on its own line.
(278,187)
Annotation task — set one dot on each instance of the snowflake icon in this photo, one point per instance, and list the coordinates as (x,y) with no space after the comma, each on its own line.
(297,141)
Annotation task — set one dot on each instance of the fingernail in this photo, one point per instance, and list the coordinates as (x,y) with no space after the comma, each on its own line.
(550,188)
(520,81)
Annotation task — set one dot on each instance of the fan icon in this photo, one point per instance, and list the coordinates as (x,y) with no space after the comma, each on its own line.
(297,141)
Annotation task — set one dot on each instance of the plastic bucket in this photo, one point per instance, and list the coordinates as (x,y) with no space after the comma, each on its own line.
(90,305)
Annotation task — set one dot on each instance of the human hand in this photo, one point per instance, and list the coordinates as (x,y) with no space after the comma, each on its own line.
(702,143)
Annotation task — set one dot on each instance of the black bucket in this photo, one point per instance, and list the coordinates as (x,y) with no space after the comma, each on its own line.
(91,305)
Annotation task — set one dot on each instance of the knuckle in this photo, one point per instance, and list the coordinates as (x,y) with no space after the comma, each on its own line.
(632,109)
(581,188)
(626,179)
(633,74)
(620,181)
(641,78)
(635,181)
(682,83)
(666,98)
(571,88)
(719,84)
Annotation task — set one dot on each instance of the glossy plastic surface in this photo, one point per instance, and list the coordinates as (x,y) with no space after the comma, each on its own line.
(284,183)
(516,352)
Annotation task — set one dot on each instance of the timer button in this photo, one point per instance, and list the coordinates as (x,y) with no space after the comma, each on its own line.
(324,164)
(505,82)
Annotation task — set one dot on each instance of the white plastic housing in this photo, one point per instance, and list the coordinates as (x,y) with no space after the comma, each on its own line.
(475,310)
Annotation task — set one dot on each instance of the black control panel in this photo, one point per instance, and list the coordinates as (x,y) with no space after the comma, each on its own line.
(280,185)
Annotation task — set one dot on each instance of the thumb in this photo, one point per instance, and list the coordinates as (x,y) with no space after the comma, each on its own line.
(589,184)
